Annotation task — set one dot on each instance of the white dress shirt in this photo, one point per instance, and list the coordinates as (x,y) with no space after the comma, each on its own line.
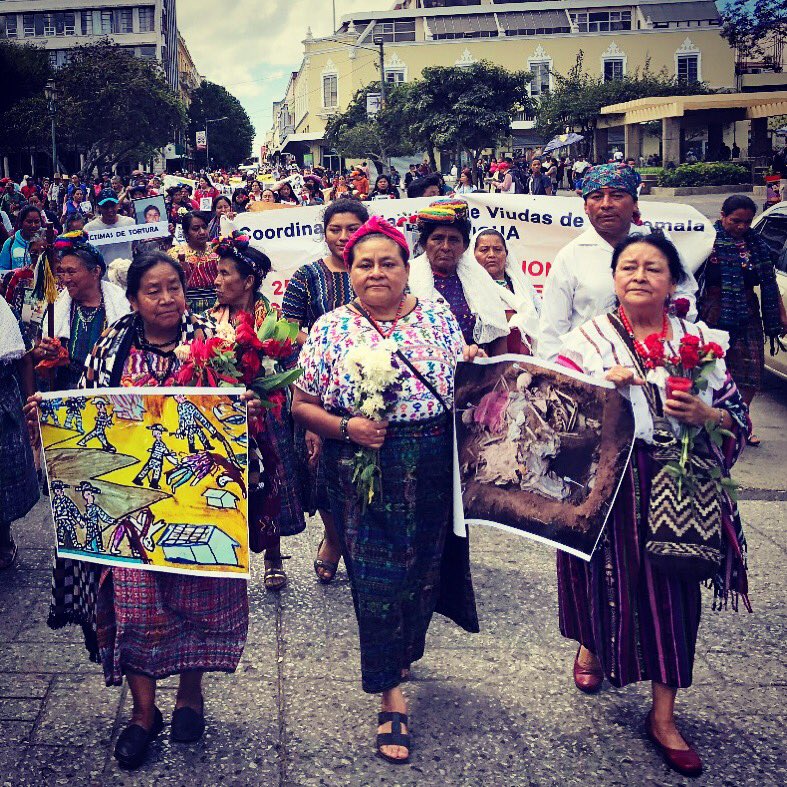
(580,287)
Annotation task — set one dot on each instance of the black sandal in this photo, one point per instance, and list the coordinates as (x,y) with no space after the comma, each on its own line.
(325,565)
(275,578)
(393,738)
(8,554)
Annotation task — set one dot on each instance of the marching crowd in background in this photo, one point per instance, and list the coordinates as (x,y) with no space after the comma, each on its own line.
(122,312)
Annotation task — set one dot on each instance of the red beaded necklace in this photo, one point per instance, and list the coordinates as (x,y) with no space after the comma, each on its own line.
(387,333)
(639,346)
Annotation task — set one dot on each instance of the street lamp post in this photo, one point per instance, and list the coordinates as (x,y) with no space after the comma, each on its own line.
(207,138)
(380,42)
(51,95)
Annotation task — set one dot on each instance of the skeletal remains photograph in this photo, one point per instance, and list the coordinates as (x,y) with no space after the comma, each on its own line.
(541,450)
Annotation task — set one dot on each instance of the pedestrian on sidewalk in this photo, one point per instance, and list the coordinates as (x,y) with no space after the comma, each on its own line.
(272,477)
(740,262)
(313,290)
(634,608)
(401,554)
(18,481)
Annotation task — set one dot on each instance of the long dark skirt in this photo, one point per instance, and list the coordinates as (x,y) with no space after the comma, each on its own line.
(640,623)
(18,481)
(394,550)
(312,488)
(159,624)
(745,358)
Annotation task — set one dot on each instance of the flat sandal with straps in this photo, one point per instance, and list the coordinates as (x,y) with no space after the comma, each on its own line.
(393,738)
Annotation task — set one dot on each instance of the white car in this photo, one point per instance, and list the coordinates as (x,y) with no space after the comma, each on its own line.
(771,225)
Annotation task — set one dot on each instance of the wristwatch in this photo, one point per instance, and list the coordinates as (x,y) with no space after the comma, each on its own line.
(343,428)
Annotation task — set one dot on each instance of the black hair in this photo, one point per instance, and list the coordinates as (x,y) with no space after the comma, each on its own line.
(25,211)
(189,217)
(206,177)
(150,207)
(738,202)
(218,199)
(490,232)
(344,205)
(426,228)
(420,185)
(88,258)
(660,242)
(143,263)
(71,218)
(249,261)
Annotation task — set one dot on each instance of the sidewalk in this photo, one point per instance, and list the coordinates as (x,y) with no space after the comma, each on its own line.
(497,708)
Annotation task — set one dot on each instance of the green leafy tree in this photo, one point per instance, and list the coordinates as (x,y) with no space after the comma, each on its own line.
(465,108)
(355,134)
(230,140)
(25,69)
(113,106)
(757,28)
(575,103)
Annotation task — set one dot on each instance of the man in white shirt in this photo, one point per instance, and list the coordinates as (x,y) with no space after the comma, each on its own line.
(579,286)
(110,219)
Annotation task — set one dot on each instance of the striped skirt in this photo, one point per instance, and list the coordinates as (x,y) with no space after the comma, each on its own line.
(642,625)
(158,624)
(394,550)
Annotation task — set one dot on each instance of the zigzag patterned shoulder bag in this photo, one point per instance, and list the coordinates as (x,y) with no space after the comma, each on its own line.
(683,529)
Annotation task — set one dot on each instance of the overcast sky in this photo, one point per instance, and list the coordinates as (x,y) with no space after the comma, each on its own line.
(251,47)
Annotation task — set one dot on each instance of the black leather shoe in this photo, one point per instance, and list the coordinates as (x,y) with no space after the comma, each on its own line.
(187,725)
(132,744)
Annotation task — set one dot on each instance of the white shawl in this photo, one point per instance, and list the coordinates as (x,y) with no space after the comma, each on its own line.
(115,303)
(524,301)
(480,292)
(12,348)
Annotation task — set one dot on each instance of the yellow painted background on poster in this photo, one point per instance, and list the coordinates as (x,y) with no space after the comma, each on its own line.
(224,465)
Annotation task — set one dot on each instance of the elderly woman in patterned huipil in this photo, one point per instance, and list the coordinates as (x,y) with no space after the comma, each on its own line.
(635,618)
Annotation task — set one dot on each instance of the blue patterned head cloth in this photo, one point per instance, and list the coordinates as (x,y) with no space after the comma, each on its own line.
(613,176)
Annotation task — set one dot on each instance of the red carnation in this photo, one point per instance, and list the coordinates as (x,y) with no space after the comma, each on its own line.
(250,364)
(681,306)
(689,340)
(711,348)
(689,356)
(273,348)
(655,347)
(246,335)
(277,400)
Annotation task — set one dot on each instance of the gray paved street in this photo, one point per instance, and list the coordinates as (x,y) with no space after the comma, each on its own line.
(497,708)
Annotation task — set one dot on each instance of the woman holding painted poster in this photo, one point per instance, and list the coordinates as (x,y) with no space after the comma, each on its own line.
(635,608)
(275,509)
(198,259)
(522,303)
(147,625)
(315,289)
(378,384)
(448,273)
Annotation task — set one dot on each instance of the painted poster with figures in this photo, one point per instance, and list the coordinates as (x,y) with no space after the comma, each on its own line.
(535,229)
(154,481)
(541,450)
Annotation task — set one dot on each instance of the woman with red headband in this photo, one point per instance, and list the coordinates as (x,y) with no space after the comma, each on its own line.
(395,544)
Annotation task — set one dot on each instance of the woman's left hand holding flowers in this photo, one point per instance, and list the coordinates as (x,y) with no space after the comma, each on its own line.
(254,405)
(689,409)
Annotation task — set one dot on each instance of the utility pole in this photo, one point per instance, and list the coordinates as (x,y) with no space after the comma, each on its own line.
(51,95)
(380,41)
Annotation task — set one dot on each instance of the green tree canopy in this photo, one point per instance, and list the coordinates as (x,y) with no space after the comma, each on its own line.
(468,108)
(355,134)
(230,140)
(578,97)
(25,69)
(757,28)
(113,106)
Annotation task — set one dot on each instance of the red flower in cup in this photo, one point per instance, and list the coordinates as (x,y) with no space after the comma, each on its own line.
(678,384)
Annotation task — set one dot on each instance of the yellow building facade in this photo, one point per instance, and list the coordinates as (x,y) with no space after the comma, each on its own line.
(617,38)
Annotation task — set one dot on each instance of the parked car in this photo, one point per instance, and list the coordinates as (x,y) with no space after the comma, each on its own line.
(772,227)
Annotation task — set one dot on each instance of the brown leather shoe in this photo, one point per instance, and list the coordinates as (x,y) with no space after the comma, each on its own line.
(685,762)
(587,679)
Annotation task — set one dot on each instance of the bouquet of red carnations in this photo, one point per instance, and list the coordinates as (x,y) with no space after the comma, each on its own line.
(692,369)
(243,356)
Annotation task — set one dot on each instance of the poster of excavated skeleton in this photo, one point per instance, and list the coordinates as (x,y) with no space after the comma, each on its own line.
(541,449)
(149,478)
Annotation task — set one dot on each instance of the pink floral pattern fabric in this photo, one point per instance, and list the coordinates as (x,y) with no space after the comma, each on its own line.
(429,337)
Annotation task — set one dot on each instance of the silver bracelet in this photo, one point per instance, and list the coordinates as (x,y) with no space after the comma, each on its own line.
(720,423)
(343,428)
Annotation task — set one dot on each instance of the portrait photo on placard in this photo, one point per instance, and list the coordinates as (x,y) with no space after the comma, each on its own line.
(150,210)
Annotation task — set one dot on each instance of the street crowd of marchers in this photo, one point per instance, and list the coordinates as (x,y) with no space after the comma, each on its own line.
(619,303)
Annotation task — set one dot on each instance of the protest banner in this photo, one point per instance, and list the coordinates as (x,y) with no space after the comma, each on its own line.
(160,229)
(149,479)
(540,450)
(535,228)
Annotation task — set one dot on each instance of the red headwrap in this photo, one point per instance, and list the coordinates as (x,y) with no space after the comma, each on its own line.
(377,226)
